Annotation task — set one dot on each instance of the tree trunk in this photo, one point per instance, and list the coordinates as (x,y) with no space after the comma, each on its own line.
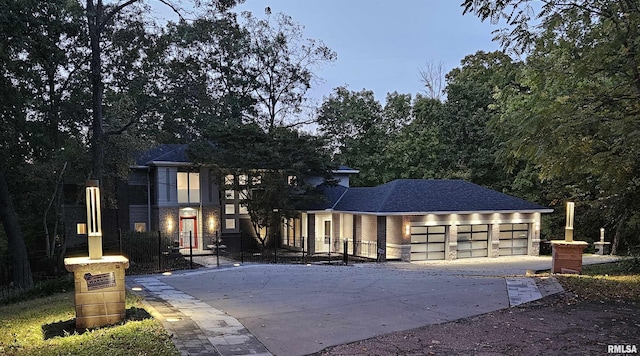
(21,275)
(619,228)
(94,21)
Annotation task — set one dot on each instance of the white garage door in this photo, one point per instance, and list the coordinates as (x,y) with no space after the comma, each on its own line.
(513,239)
(473,241)
(427,243)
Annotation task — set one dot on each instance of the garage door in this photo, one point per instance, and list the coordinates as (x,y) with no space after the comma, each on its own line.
(427,243)
(513,239)
(473,241)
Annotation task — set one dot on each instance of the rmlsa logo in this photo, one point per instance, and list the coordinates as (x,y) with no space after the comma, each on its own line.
(622,349)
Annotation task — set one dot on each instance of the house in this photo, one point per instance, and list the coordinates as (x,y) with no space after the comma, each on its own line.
(409,220)
(417,220)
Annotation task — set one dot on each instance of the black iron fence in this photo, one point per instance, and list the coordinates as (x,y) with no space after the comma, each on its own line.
(343,251)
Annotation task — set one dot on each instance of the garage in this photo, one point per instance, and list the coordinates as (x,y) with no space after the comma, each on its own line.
(427,243)
(513,239)
(473,241)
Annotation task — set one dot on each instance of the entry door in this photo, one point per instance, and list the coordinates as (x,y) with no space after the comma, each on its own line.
(327,234)
(188,226)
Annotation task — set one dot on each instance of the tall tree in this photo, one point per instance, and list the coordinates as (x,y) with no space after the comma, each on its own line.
(275,167)
(575,116)
(283,62)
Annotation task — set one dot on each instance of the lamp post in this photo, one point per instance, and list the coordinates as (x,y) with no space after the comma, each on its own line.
(568,229)
(94,220)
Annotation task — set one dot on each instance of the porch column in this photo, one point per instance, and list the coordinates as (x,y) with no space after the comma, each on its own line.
(381,232)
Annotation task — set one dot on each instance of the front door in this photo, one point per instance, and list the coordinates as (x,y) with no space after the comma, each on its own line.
(188,232)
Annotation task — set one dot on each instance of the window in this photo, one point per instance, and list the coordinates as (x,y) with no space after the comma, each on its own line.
(230,224)
(81,228)
(229,194)
(188,187)
(242,179)
(229,209)
(228,179)
(243,209)
(140,227)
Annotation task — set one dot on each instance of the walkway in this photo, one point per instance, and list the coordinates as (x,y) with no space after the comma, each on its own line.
(297,310)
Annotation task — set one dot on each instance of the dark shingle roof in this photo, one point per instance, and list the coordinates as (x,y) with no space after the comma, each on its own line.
(176,153)
(420,195)
(332,195)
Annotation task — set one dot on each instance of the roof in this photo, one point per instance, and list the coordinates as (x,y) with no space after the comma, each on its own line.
(415,196)
(173,153)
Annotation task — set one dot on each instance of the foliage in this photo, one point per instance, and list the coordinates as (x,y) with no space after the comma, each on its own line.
(281,61)
(42,289)
(270,170)
(573,115)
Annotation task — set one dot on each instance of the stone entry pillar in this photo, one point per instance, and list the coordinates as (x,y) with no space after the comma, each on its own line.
(99,290)
(567,254)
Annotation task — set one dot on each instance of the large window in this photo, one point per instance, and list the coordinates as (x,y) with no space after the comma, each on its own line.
(188,187)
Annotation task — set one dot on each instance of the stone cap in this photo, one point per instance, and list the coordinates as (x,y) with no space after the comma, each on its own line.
(74,263)
(564,242)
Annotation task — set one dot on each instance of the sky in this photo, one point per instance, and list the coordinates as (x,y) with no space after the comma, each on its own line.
(382,44)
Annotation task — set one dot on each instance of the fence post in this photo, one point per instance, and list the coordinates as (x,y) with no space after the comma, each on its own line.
(159,251)
(345,255)
(217,250)
(329,249)
(190,250)
(120,238)
(302,244)
(241,249)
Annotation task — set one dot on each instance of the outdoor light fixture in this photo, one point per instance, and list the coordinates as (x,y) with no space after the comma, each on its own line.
(169,223)
(602,234)
(568,230)
(94,220)
(211,224)
(166,273)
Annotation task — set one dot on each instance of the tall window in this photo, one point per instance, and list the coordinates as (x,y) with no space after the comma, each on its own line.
(188,187)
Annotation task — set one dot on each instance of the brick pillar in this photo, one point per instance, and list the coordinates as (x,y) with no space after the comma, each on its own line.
(381,230)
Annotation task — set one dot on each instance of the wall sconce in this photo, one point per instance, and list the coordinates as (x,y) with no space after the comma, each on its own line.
(212,224)
(169,223)
(407,229)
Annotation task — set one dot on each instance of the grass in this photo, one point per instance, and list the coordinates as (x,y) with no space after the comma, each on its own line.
(617,281)
(45,326)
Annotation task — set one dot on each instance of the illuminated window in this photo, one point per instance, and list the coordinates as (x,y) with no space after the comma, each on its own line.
(229,194)
(256,180)
(229,209)
(230,224)
(242,179)
(243,209)
(228,179)
(81,228)
(140,227)
(188,187)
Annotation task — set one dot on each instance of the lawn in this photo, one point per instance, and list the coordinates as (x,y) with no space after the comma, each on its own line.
(617,281)
(45,326)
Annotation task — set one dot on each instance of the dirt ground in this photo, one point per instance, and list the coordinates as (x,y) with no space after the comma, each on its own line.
(560,324)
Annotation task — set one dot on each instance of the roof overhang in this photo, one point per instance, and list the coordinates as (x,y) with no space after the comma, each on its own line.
(419,213)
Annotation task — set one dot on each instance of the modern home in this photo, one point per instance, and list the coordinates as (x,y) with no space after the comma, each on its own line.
(417,220)
(409,220)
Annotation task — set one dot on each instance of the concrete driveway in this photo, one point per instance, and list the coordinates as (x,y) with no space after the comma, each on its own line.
(298,309)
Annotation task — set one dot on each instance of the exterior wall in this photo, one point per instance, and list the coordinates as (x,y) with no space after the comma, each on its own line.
(395,245)
(139,214)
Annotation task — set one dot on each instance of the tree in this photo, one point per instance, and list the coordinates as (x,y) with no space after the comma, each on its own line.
(271,170)
(99,16)
(432,76)
(575,116)
(282,61)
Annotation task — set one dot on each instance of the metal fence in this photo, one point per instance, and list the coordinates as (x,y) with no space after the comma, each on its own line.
(343,251)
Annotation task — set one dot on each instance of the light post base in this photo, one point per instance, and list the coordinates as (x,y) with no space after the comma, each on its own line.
(567,256)
(99,290)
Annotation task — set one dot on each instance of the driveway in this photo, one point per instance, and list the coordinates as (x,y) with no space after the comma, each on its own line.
(298,309)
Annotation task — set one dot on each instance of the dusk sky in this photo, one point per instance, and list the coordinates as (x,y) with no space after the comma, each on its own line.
(382,44)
